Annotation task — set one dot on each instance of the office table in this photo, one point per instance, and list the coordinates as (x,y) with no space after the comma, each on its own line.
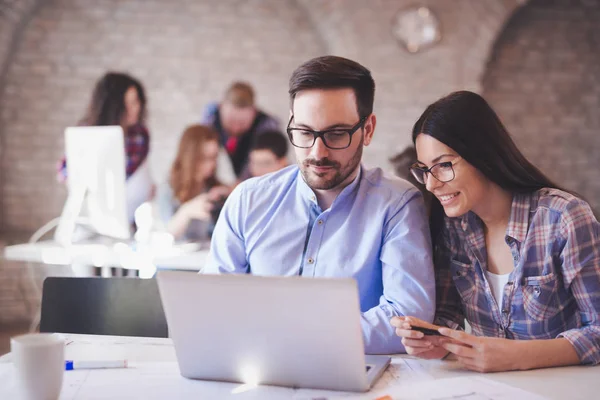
(153,374)
(106,254)
(188,256)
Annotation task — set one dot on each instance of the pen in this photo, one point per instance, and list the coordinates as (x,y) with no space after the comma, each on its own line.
(94,364)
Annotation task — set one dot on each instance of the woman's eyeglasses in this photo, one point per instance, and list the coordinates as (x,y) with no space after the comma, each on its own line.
(443,172)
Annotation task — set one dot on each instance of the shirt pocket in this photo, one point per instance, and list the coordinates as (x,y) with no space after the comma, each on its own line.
(540,297)
(464,279)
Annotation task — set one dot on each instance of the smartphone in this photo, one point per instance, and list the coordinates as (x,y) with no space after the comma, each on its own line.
(426,331)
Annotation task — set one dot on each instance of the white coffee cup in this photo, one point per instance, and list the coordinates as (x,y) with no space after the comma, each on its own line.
(39,359)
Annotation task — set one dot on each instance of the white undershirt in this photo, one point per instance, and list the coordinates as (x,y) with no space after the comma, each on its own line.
(497,283)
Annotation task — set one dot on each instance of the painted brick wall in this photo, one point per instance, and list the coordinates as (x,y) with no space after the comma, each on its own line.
(543,78)
(17,292)
(407,83)
(187,51)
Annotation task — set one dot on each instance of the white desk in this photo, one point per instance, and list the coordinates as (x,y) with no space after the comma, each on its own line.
(154,375)
(184,257)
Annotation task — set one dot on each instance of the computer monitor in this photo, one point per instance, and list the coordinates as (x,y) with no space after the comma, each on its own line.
(96,182)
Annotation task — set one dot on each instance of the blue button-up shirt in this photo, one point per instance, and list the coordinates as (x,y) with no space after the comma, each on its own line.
(375,231)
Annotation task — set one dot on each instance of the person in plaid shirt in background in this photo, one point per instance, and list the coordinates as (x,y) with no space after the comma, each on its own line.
(515,255)
(119,99)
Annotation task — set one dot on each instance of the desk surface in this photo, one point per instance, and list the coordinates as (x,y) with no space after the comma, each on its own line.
(154,374)
(184,257)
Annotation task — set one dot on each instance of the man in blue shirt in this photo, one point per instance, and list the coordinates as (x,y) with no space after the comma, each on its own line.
(329,216)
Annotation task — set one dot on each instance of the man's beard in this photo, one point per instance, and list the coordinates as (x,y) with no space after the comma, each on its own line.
(317,182)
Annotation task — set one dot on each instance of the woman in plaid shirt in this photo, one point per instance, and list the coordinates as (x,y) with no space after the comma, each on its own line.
(119,99)
(515,255)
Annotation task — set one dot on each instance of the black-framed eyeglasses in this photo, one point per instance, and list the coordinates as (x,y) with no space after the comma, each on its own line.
(336,139)
(443,172)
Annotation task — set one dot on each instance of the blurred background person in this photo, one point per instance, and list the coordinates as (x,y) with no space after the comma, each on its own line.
(402,163)
(189,203)
(238,122)
(119,99)
(268,154)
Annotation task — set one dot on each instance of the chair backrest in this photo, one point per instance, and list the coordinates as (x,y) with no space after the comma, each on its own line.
(103,306)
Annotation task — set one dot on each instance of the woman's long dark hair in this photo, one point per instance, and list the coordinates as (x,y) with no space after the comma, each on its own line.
(108,100)
(465,122)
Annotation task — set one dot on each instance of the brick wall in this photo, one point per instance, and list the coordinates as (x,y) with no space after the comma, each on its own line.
(14,17)
(543,78)
(187,51)
(17,294)
(407,83)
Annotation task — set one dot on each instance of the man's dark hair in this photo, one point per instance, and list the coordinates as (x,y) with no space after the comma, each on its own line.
(274,141)
(331,72)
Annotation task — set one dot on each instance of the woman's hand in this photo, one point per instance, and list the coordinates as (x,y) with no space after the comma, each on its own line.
(483,354)
(416,343)
(218,192)
(198,208)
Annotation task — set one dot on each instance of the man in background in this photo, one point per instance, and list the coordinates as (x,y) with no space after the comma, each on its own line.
(238,122)
(268,154)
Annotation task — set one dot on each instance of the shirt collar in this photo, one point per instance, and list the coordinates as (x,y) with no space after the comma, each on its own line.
(518,222)
(307,193)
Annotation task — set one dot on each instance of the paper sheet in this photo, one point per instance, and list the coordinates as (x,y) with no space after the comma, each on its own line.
(400,371)
(461,388)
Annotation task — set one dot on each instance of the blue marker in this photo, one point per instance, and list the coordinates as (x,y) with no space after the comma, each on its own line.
(94,364)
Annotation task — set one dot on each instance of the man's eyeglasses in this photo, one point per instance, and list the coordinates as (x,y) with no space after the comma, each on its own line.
(337,138)
(443,172)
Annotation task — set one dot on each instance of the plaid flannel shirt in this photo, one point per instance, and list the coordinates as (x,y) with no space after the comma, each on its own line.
(554,289)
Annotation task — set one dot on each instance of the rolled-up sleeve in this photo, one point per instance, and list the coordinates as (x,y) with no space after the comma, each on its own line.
(580,258)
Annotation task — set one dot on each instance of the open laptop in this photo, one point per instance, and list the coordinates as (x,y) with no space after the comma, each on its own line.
(286,331)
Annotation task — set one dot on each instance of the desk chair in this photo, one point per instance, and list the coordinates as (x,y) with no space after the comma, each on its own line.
(103,306)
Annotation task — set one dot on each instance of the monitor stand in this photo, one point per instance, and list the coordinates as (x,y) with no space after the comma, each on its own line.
(65,231)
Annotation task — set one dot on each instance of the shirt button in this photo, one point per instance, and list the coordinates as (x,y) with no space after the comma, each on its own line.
(310,261)
(516,257)
(313,198)
(505,311)
(320,222)
(458,273)
(509,283)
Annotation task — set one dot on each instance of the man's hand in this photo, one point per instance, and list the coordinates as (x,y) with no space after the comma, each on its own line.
(417,343)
